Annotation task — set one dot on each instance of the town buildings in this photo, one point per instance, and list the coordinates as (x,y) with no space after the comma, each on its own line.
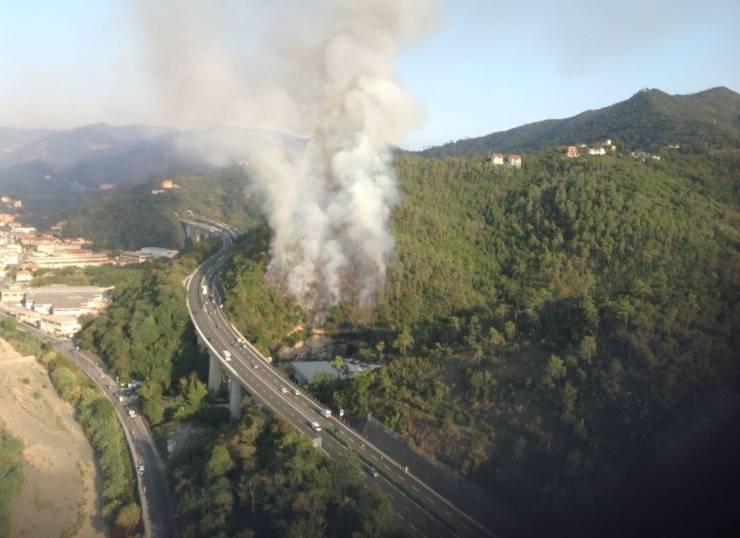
(53,309)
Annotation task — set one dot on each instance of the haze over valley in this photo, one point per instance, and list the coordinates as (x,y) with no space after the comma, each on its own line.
(370,268)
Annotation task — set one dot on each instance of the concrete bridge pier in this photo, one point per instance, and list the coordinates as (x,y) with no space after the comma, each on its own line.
(201,344)
(236,393)
(214,373)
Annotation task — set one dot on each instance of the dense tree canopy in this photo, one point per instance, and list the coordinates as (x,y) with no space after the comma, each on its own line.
(541,327)
(258,478)
(134,217)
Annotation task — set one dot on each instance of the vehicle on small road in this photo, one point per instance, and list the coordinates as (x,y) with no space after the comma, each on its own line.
(372,471)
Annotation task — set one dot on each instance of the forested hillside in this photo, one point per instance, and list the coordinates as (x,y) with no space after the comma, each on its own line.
(146,334)
(260,478)
(545,329)
(252,478)
(134,217)
(649,121)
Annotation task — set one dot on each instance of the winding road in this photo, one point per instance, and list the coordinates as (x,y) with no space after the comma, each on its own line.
(419,509)
(154,493)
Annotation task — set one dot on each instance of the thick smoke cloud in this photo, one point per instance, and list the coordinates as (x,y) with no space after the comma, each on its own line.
(324,73)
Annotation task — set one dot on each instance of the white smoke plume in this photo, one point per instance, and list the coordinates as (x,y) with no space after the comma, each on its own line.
(322,71)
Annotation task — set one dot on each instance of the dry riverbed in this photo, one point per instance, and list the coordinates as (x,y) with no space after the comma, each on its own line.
(59,496)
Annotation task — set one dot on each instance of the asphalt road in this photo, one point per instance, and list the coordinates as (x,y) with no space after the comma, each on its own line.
(419,510)
(156,502)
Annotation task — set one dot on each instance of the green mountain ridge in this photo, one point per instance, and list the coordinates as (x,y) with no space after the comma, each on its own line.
(649,120)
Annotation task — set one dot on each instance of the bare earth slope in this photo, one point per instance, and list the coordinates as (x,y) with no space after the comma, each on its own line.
(60,492)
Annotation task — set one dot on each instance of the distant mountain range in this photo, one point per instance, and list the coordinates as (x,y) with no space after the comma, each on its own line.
(649,120)
(50,170)
(53,169)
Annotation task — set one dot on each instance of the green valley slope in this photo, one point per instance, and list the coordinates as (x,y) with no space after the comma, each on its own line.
(134,217)
(542,329)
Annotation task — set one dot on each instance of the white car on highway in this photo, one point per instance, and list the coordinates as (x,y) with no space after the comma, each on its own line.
(283,390)
(315,426)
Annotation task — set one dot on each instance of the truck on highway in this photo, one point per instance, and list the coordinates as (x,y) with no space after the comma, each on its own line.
(326,413)
(227,355)
(131,413)
(204,289)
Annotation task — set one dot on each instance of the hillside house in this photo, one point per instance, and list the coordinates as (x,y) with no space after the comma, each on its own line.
(596,151)
(572,152)
(497,159)
(515,160)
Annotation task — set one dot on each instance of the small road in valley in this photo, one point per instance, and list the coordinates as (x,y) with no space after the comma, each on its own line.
(156,502)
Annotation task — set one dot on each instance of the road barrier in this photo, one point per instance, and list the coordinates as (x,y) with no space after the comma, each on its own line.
(435,474)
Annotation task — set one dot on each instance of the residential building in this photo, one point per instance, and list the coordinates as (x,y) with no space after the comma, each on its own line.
(23,276)
(167,184)
(515,160)
(106,186)
(497,159)
(572,151)
(60,326)
(69,258)
(596,151)
(12,295)
(24,230)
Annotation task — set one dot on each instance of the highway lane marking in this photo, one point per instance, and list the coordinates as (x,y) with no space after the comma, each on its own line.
(269,378)
(280,396)
(272,392)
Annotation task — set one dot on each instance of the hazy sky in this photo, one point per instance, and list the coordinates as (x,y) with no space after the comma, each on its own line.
(488,65)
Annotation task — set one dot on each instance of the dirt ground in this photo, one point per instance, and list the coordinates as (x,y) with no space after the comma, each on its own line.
(60,494)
